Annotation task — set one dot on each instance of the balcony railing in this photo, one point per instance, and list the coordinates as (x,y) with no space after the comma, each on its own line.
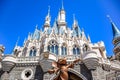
(27,59)
(70,57)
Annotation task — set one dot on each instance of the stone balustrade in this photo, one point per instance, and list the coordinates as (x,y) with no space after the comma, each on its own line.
(37,58)
(70,57)
(28,59)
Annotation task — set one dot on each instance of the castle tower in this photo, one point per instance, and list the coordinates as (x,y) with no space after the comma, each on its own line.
(1,51)
(116,40)
(62,18)
(47,20)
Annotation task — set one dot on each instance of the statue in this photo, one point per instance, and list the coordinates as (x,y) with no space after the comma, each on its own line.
(61,67)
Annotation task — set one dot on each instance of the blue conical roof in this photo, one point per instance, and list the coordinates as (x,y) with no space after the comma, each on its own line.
(76,31)
(36,34)
(49,30)
(55,26)
(116,32)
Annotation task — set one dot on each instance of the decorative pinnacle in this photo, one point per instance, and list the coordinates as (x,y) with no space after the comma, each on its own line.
(36,26)
(17,41)
(48,10)
(74,20)
(89,38)
(73,17)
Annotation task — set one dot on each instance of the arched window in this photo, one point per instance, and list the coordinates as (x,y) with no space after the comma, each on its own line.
(64,49)
(33,52)
(53,47)
(49,48)
(56,49)
(85,48)
(76,50)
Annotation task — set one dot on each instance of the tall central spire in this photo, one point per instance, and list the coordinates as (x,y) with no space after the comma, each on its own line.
(49,11)
(61,15)
(62,5)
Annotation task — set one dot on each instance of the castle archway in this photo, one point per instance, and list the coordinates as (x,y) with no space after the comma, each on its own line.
(73,75)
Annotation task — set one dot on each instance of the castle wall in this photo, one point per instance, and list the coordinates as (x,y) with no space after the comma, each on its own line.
(17,73)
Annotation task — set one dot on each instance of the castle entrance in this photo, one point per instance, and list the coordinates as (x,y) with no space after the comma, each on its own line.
(73,76)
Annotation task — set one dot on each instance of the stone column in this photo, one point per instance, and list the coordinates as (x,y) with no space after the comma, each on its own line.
(81,52)
(59,49)
(64,50)
(45,48)
(70,50)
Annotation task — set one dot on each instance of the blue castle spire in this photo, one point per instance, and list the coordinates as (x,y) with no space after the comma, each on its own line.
(116,31)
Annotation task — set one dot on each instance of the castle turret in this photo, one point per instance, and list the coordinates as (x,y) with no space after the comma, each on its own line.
(116,40)
(62,18)
(47,20)
(90,59)
(8,63)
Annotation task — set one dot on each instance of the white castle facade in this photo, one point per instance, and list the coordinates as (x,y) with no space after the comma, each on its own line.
(34,58)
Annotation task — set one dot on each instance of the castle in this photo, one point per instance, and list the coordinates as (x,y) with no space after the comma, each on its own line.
(32,60)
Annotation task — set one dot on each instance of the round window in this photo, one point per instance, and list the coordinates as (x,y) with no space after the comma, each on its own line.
(27,74)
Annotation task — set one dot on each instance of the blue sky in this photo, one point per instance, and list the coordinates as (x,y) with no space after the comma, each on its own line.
(19,17)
